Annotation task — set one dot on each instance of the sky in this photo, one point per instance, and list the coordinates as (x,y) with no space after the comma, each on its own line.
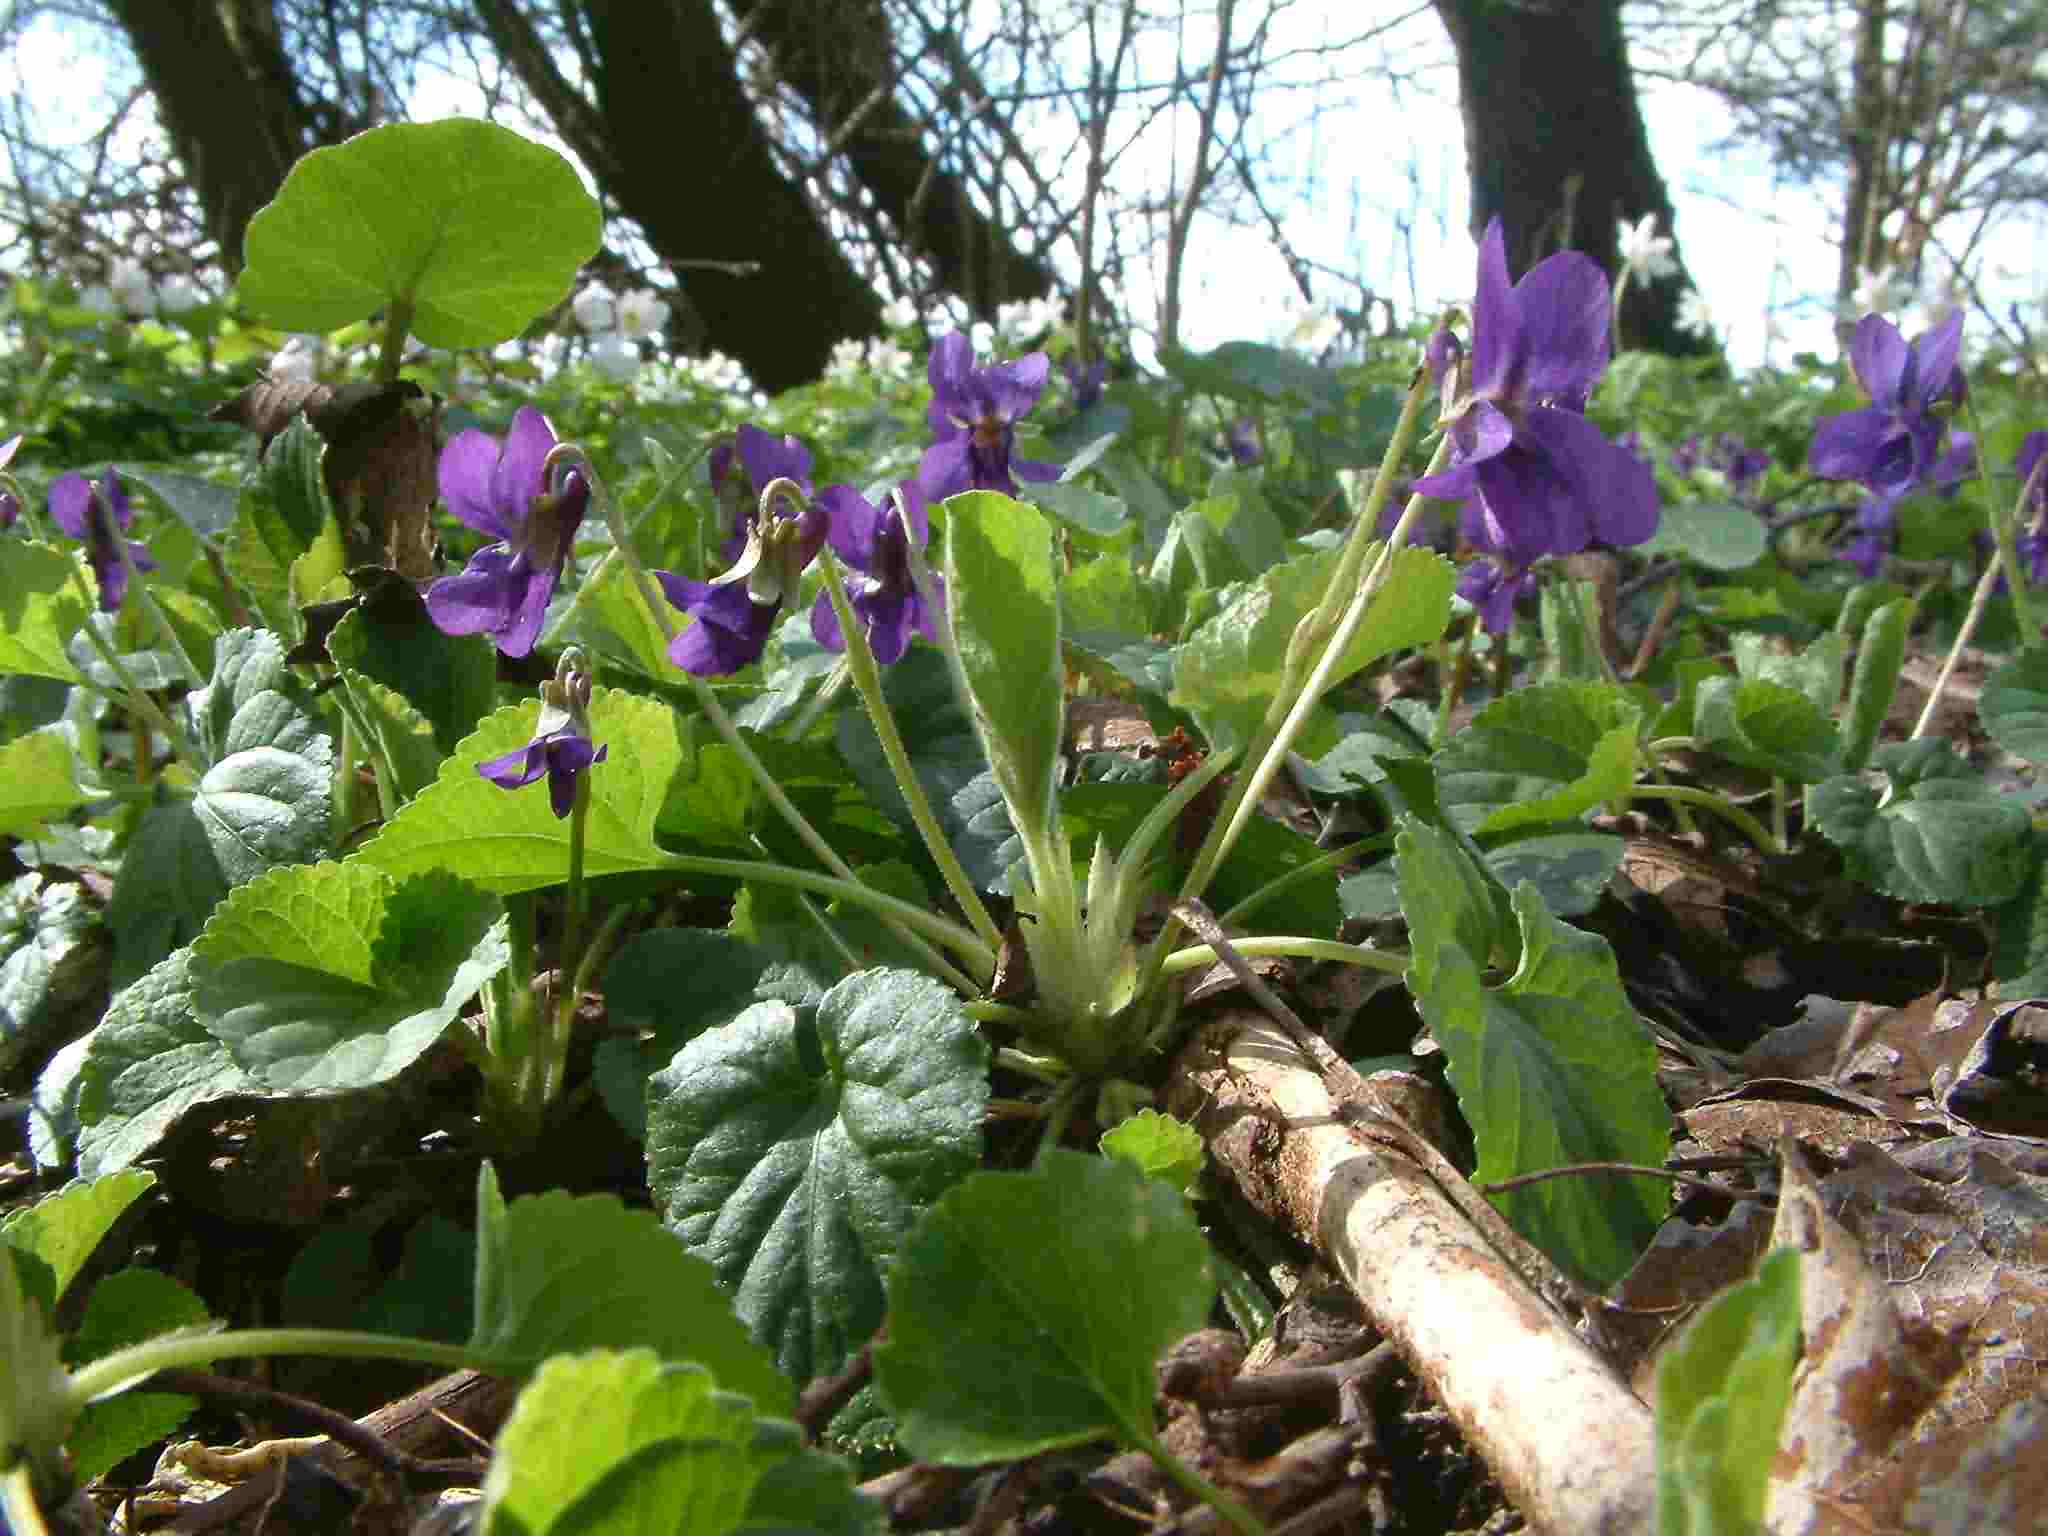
(1374,187)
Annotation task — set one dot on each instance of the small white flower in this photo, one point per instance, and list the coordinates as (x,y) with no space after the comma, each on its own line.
(100,300)
(1315,330)
(1645,253)
(889,361)
(1694,315)
(179,295)
(133,288)
(982,336)
(615,357)
(1882,290)
(594,308)
(848,357)
(899,314)
(642,313)
(296,361)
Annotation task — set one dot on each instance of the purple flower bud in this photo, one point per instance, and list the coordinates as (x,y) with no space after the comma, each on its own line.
(1241,437)
(973,418)
(97,511)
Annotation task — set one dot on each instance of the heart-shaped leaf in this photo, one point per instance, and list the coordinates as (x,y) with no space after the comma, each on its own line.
(795,1154)
(474,228)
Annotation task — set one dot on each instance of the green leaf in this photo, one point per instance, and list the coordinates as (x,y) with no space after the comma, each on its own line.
(1720,535)
(615,1444)
(1028,1310)
(450,679)
(1090,511)
(205,506)
(1815,668)
(35,1401)
(332,977)
(795,1153)
(399,736)
(1569,869)
(285,497)
(662,989)
(1939,839)
(1767,726)
(611,617)
(2014,705)
(510,840)
(813,1491)
(41,607)
(2019,959)
(556,1273)
(148,1062)
(1229,671)
(61,1230)
(1551,1067)
(1158,1146)
(1006,620)
(55,966)
(1539,755)
(1443,885)
(475,228)
(1722,1390)
(128,1307)
(1255,372)
(1878,659)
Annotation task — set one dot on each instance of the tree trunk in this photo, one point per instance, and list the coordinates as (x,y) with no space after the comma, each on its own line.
(836,55)
(695,170)
(1556,145)
(225,90)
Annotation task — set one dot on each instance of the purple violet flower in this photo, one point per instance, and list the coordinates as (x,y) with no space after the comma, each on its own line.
(1685,458)
(1891,444)
(1537,478)
(742,467)
(875,542)
(1241,437)
(2032,468)
(97,511)
(1085,382)
(1738,461)
(973,417)
(504,590)
(735,613)
(1494,589)
(10,502)
(561,746)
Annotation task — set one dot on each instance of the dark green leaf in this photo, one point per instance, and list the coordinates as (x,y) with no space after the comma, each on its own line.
(1766,726)
(2014,705)
(1028,1310)
(794,1154)
(557,1273)
(1720,535)
(332,977)
(1539,755)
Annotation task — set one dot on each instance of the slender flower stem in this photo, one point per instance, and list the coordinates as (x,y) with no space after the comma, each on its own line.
(110,1373)
(2005,534)
(343,795)
(569,961)
(139,590)
(1391,961)
(1734,815)
(132,692)
(938,930)
(1979,600)
(1246,1523)
(707,701)
(860,661)
(18,1501)
(1250,788)
(391,349)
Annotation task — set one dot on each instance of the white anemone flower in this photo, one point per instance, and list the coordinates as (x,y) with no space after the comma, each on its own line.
(615,357)
(594,308)
(1694,314)
(899,314)
(178,295)
(643,312)
(133,288)
(296,361)
(1881,290)
(1645,253)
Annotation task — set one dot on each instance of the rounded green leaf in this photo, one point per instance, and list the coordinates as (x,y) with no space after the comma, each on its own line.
(796,1156)
(478,229)
(41,608)
(1029,1309)
(1720,535)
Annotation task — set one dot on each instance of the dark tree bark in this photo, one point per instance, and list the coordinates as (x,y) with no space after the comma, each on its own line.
(1556,146)
(694,168)
(836,55)
(227,93)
